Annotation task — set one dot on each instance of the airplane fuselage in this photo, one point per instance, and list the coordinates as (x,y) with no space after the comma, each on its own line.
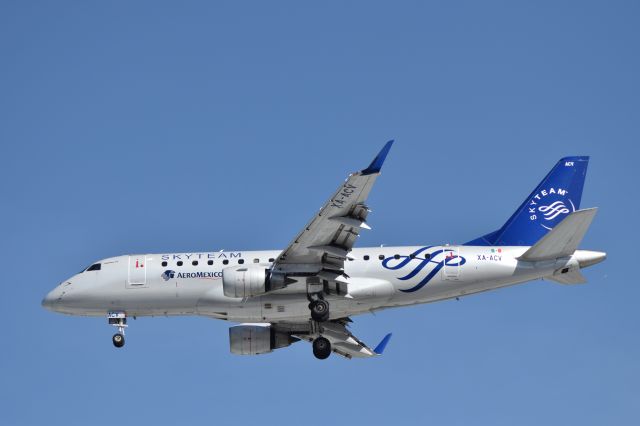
(378,278)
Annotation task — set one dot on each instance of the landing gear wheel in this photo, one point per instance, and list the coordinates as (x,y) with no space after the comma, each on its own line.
(118,340)
(118,319)
(319,310)
(321,348)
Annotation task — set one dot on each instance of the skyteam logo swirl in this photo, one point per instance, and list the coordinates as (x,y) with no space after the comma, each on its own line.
(549,206)
(553,210)
(421,259)
(168,274)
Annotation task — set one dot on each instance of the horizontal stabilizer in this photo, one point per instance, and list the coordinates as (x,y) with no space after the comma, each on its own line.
(562,240)
(571,277)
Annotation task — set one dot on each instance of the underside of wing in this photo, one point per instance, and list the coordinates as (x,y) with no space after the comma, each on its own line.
(342,341)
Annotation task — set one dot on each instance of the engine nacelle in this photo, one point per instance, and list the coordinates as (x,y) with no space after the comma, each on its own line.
(248,281)
(256,339)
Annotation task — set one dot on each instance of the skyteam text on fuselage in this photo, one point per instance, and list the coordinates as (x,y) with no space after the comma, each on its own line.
(311,289)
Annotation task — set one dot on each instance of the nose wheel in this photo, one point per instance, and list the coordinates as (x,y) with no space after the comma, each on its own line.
(118,320)
(118,340)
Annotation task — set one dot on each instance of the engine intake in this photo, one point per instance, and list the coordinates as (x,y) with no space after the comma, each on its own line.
(256,340)
(248,281)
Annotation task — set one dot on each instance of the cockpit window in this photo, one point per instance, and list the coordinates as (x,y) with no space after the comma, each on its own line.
(94,267)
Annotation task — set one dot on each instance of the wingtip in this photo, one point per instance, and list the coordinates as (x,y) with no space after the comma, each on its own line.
(376,164)
(383,344)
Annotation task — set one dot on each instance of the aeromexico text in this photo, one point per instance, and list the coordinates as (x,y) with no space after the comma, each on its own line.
(199,256)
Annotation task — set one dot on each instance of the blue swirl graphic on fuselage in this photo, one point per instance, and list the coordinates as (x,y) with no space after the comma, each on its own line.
(426,260)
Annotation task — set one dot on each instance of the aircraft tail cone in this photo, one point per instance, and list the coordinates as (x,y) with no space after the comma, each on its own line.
(587,258)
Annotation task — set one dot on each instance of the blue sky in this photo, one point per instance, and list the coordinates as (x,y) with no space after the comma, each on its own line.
(130,127)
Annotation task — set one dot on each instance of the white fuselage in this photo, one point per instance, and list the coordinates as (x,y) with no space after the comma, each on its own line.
(378,278)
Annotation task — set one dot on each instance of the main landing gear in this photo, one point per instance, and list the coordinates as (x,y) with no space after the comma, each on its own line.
(119,320)
(319,313)
(321,348)
(319,310)
(317,305)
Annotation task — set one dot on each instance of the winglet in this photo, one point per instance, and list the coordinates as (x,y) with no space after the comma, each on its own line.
(383,344)
(376,164)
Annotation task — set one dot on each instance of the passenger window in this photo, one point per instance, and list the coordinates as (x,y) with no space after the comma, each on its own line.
(256,260)
(179,263)
(396,256)
(194,263)
(427,256)
(94,267)
(413,256)
(164,263)
(366,257)
(271,259)
(209,262)
(240,261)
(225,262)
(381,257)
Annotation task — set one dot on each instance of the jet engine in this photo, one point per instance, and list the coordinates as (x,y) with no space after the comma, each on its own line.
(256,339)
(248,281)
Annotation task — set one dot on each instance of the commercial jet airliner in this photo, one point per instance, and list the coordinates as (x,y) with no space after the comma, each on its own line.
(311,289)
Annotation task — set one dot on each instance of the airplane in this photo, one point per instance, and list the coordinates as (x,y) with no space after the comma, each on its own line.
(310,290)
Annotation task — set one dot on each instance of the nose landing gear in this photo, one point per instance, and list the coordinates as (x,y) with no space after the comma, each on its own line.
(118,340)
(119,320)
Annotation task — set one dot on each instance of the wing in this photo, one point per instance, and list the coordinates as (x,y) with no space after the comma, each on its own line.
(343,342)
(323,245)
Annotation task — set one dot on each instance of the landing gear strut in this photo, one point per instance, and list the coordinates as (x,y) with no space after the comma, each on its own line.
(321,348)
(119,320)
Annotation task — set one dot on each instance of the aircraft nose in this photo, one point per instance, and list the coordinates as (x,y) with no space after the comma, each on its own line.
(52,299)
(48,300)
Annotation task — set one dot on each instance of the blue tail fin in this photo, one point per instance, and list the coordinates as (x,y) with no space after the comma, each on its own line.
(558,194)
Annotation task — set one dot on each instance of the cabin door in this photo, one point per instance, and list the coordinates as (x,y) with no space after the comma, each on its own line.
(452,263)
(137,276)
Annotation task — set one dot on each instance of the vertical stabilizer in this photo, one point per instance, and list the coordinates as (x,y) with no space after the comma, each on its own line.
(557,196)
